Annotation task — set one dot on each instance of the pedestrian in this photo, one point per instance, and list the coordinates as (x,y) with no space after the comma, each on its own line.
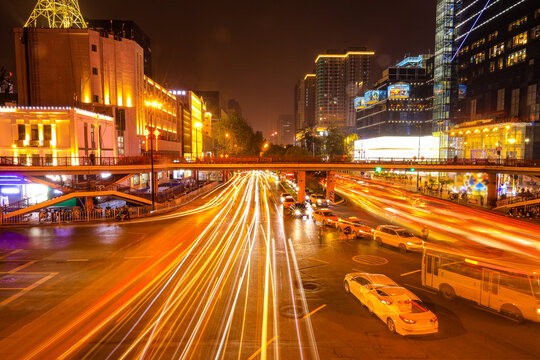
(425,232)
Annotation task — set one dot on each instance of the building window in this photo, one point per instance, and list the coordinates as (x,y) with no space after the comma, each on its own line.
(520,39)
(516,58)
(500,100)
(514,106)
(22,131)
(47,132)
(473,108)
(94,48)
(531,94)
(535,32)
(501,63)
(492,66)
(517,23)
(493,35)
(496,50)
(93,137)
(94,71)
(34,133)
(96,98)
(478,58)
(48,159)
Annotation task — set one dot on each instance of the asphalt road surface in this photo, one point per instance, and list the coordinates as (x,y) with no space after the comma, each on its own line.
(229,277)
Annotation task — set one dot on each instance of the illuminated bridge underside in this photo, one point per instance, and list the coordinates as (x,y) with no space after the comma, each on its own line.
(134,169)
(61,199)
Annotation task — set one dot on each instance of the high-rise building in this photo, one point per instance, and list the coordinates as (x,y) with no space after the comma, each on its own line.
(444,77)
(340,77)
(286,129)
(487,64)
(304,104)
(126,29)
(400,103)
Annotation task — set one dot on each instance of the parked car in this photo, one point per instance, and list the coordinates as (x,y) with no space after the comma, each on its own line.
(283,196)
(353,225)
(298,210)
(288,202)
(318,200)
(402,311)
(325,217)
(398,237)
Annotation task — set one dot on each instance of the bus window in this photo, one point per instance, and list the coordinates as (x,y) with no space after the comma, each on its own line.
(495,283)
(535,281)
(516,282)
(436,263)
(429,262)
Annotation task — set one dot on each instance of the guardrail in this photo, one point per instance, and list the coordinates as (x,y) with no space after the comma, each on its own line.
(78,215)
(146,160)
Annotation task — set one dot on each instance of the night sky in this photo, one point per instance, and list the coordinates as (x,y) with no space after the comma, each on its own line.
(253,51)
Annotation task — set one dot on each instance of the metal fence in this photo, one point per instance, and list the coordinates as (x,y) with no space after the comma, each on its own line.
(159,159)
(76,215)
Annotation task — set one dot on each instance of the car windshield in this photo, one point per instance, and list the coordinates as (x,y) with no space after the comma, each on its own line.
(328,213)
(319,196)
(300,206)
(404,233)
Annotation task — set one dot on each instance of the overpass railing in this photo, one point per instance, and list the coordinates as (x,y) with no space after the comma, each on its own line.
(158,159)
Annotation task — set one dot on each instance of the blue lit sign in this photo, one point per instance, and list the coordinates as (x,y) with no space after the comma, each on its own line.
(374,96)
(359,102)
(462,91)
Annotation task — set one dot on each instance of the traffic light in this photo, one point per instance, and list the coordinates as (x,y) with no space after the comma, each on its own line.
(378,169)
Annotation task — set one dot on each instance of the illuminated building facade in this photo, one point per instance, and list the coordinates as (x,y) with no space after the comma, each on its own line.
(400,104)
(444,77)
(498,71)
(340,77)
(33,134)
(304,104)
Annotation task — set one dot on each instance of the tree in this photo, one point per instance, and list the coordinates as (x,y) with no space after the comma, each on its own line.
(334,143)
(234,136)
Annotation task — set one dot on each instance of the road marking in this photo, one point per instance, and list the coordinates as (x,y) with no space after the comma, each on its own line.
(259,351)
(77,260)
(370,260)
(314,311)
(322,261)
(137,257)
(22,267)
(12,289)
(27,289)
(10,253)
(411,272)
(422,289)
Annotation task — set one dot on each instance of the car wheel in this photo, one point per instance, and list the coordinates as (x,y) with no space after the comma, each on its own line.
(403,248)
(346,286)
(378,241)
(512,312)
(447,292)
(391,325)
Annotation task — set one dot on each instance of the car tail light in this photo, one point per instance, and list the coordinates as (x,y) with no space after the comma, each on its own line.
(408,321)
(433,320)
(385,302)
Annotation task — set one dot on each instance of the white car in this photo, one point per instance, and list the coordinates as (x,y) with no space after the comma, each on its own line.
(398,237)
(318,200)
(402,311)
(283,196)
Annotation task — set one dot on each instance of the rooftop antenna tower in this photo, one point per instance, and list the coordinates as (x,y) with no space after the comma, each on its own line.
(56,14)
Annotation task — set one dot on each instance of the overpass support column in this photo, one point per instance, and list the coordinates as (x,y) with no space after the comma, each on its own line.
(302,186)
(330,184)
(492,190)
(225,175)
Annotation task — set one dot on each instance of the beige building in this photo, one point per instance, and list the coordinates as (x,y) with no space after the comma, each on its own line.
(55,135)
(98,72)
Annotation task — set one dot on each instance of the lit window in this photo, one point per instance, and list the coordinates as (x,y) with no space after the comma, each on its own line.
(517,23)
(516,58)
(520,39)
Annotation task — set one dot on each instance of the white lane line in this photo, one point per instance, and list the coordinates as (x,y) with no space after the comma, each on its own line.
(422,289)
(321,261)
(27,289)
(411,272)
(10,253)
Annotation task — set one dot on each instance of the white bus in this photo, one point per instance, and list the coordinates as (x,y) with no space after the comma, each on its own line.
(504,285)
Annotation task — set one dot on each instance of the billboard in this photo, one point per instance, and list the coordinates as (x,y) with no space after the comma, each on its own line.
(462,91)
(359,102)
(373,96)
(396,147)
(398,91)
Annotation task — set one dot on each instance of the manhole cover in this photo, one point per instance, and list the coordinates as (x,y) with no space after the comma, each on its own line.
(370,260)
(7,280)
(292,311)
(311,286)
